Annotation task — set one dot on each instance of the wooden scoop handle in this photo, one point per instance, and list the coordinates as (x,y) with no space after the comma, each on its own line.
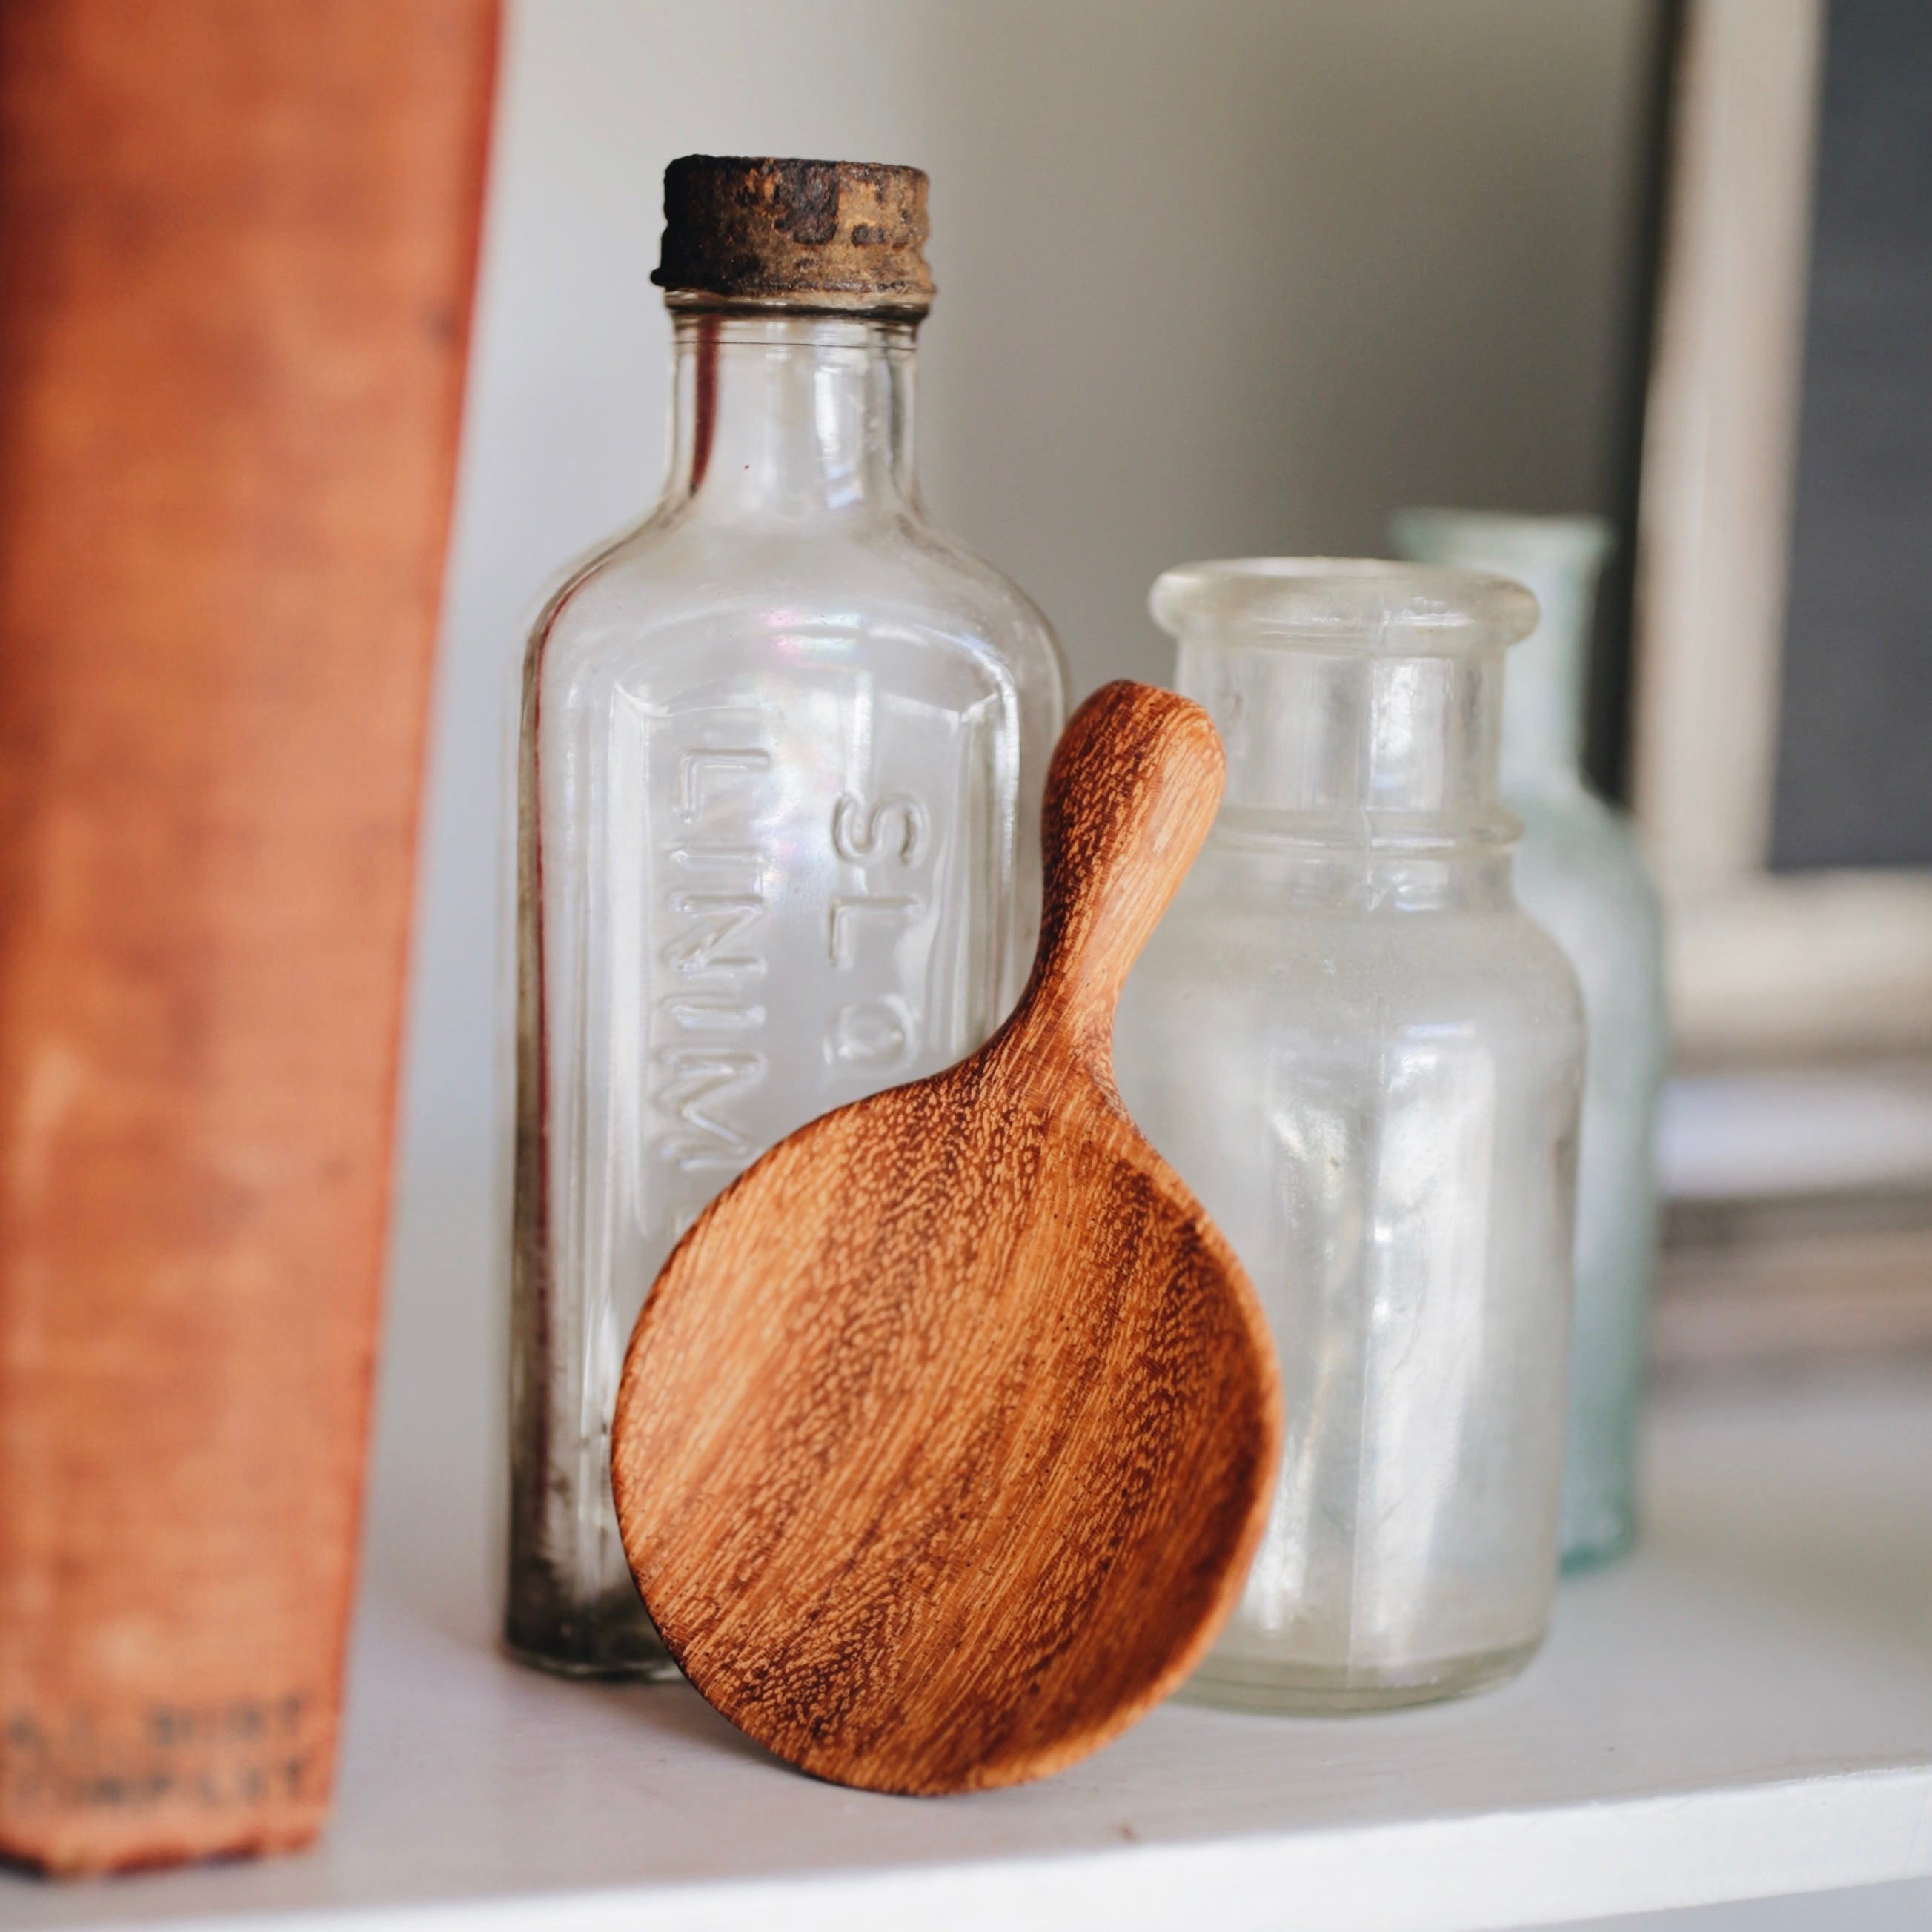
(1133,787)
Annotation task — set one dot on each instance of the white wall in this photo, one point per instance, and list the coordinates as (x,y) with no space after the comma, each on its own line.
(1216,276)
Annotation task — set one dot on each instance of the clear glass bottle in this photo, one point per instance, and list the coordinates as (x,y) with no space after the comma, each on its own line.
(1580,873)
(1355,1047)
(782,751)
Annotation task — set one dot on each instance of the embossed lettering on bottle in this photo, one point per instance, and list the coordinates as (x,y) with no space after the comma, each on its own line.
(880,1031)
(706,1055)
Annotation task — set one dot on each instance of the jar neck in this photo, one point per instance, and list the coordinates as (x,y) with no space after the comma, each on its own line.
(783,417)
(1353,749)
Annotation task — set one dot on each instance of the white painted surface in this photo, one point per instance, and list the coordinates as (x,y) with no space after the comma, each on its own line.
(1743,1135)
(1906,1907)
(1743,1710)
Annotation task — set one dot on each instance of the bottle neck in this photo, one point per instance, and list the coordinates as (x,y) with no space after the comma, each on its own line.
(1559,559)
(1542,698)
(790,418)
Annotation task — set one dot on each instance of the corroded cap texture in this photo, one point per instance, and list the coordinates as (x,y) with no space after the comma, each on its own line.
(839,235)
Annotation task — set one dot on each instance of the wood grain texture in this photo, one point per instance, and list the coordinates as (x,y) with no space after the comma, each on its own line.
(236,245)
(946,1434)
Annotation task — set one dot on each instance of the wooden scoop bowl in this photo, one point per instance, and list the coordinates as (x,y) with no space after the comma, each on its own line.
(946,1433)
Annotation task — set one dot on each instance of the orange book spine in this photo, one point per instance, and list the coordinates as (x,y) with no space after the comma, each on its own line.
(237,243)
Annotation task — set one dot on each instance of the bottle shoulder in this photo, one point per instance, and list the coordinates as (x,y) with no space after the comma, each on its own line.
(1447,979)
(1218,930)
(654,588)
(1580,865)
(1573,818)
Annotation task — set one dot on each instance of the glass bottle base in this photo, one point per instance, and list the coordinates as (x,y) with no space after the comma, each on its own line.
(612,1638)
(1286,1689)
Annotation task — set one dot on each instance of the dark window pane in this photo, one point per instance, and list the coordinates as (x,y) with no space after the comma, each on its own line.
(1855,753)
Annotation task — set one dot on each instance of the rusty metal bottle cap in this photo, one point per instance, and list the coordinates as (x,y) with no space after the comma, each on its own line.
(826,235)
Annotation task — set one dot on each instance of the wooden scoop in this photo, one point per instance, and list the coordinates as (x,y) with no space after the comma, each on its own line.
(947,1432)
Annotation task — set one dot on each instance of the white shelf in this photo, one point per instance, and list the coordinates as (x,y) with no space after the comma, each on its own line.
(1744,1709)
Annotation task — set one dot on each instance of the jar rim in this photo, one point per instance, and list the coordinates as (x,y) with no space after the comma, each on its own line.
(1366,605)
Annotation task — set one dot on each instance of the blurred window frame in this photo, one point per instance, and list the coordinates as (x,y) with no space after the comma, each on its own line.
(1762,966)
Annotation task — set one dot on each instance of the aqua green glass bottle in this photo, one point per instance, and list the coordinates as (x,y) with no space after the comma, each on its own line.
(1580,873)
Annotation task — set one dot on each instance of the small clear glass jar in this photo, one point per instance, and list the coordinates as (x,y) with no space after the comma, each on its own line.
(1366,1060)
(1579,874)
(783,747)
